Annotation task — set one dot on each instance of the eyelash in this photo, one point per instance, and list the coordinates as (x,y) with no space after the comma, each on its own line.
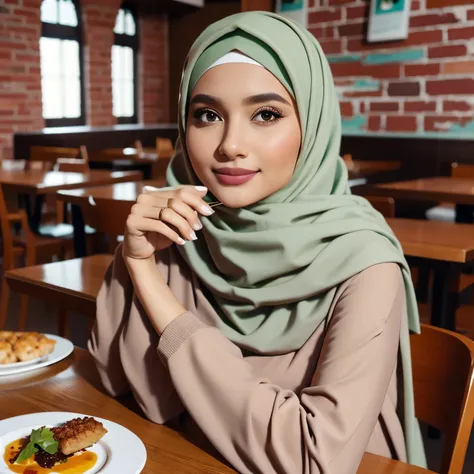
(277,114)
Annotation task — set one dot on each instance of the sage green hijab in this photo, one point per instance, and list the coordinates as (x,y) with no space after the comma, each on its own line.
(272,269)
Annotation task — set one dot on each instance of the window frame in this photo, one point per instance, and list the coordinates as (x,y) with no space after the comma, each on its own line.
(133,43)
(66,32)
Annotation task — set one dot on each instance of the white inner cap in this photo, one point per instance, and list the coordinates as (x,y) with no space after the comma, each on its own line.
(233,57)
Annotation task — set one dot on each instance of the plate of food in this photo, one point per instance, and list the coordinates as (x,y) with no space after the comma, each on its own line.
(68,443)
(24,351)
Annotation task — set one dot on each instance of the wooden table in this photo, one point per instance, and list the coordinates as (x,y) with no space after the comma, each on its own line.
(73,385)
(459,191)
(38,183)
(365,168)
(71,285)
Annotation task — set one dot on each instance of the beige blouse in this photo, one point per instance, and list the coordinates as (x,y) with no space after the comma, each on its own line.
(312,411)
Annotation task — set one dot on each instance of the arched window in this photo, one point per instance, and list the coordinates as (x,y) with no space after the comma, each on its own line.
(124,66)
(61,63)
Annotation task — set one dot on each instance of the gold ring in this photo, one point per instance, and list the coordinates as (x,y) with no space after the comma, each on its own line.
(161,212)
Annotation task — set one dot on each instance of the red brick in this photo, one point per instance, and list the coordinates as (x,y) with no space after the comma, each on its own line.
(356,12)
(352,29)
(325,15)
(317,31)
(419,106)
(432,69)
(456,106)
(331,46)
(415,5)
(347,109)
(362,107)
(435,123)
(414,39)
(461,33)
(432,19)
(374,123)
(7,45)
(370,70)
(459,67)
(447,51)
(401,123)
(356,93)
(450,86)
(403,89)
(384,106)
(470,15)
(339,2)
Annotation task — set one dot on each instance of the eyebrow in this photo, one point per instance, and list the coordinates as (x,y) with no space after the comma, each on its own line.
(252,100)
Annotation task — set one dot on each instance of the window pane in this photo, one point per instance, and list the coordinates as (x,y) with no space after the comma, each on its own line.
(120,22)
(50,56)
(60,78)
(50,87)
(128,99)
(49,11)
(70,58)
(67,13)
(72,104)
(129,24)
(123,81)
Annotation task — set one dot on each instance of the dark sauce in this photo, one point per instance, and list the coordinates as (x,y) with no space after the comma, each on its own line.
(48,461)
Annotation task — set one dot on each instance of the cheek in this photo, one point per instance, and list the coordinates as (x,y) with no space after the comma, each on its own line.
(281,147)
(199,147)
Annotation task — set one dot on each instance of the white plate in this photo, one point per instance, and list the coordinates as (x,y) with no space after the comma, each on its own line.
(62,349)
(119,451)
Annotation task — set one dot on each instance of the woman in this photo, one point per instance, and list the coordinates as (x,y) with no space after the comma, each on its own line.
(278,315)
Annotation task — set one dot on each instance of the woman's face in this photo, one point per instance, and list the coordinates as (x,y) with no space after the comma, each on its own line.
(243,134)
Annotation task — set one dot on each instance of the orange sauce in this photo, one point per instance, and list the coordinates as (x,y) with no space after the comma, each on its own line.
(77,464)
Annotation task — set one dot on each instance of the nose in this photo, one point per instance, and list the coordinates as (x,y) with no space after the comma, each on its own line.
(233,142)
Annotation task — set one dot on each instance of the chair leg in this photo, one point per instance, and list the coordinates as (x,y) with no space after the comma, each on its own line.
(5,299)
(23,313)
(64,329)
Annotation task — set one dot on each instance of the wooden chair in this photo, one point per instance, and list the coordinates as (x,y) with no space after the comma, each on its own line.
(385,205)
(49,155)
(164,148)
(443,379)
(23,244)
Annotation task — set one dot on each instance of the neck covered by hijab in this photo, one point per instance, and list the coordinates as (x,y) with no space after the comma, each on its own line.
(272,269)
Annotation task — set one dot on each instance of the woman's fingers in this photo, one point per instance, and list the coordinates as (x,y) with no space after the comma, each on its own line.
(138,225)
(190,195)
(171,217)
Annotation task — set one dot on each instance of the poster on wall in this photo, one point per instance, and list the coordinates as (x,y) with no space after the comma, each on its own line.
(296,10)
(388,20)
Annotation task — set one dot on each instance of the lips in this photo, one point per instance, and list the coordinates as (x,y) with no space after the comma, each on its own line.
(234,176)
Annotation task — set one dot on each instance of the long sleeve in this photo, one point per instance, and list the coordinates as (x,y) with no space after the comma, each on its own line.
(113,307)
(262,428)
(123,344)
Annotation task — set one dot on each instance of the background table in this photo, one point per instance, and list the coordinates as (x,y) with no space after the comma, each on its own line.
(73,385)
(38,183)
(459,191)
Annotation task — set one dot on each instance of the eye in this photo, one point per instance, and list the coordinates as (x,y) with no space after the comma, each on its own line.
(267,115)
(207,116)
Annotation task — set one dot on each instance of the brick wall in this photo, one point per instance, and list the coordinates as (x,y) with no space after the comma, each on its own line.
(422,84)
(20,74)
(20,81)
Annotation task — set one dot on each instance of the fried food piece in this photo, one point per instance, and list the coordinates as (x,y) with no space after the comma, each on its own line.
(78,434)
(25,345)
(7,356)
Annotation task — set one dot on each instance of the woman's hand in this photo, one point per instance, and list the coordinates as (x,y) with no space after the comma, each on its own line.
(163,217)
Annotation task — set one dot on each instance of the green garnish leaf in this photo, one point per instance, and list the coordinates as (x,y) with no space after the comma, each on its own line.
(27,452)
(47,441)
(42,437)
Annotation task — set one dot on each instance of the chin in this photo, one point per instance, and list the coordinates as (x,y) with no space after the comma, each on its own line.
(235,200)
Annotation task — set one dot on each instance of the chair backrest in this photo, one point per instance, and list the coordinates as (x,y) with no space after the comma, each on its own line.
(462,171)
(49,155)
(101,216)
(443,378)
(72,165)
(385,205)
(164,148)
